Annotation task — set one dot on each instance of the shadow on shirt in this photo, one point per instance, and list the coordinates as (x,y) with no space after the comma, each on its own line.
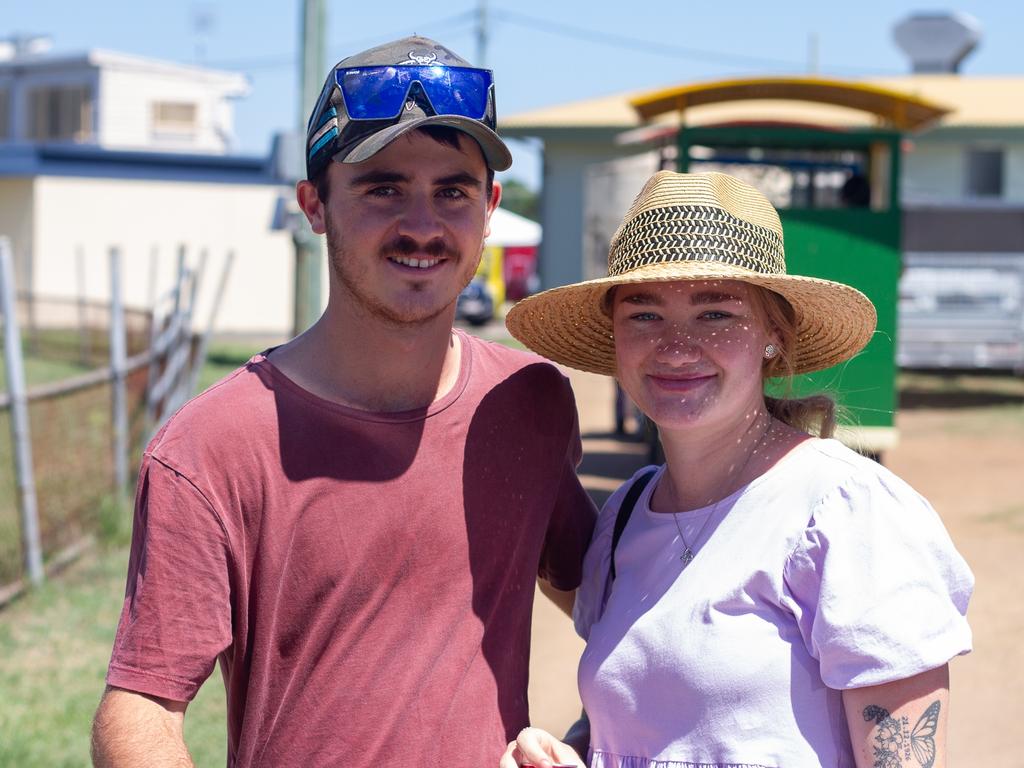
(526,514)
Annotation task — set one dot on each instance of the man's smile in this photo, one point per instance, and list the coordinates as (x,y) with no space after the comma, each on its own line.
(408,261)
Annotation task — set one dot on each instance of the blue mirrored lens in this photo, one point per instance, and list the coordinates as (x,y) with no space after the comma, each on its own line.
(378,93)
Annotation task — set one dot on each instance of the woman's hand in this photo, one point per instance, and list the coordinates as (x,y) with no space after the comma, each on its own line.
(539,748)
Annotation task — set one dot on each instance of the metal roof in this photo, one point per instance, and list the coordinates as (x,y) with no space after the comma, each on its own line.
(65,159)
(898,109)
(989,102)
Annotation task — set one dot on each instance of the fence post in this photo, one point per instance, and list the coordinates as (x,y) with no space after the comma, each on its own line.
(83,311)
(29,281)
(183,386)
(154,267)
(118,364)
(204,341)
(33,551)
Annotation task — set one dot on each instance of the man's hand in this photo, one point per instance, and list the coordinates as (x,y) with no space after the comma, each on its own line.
(539,748)
(132,729)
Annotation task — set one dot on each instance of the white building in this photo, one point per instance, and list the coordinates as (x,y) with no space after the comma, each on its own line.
(116,101)
(64,207)
(102,150)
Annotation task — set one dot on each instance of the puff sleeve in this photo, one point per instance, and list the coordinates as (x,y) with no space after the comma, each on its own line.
(877,588)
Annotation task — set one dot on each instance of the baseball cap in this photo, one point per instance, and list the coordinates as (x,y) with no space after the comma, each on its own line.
(371,98)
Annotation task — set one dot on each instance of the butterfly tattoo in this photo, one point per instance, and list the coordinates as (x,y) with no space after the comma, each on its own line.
(895,741)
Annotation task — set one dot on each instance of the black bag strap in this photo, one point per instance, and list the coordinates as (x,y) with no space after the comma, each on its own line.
(632,496)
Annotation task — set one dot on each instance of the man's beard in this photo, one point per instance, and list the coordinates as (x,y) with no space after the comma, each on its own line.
(353,276)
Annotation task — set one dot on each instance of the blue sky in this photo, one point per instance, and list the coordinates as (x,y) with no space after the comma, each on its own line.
(542,52)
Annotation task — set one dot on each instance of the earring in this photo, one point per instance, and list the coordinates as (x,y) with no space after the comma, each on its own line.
(769,351)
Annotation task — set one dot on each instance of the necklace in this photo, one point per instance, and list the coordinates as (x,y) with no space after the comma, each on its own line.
(688,554)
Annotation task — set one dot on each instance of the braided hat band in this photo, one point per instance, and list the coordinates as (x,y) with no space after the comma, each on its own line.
(706,226)
(709,234)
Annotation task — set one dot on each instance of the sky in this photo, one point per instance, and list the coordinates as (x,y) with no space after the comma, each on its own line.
(543,53)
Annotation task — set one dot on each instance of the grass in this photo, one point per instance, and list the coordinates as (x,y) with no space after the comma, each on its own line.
(54,648)
(1011,517)
(42,371)
(222,359)
(55,642)
(963,382)
(987,404)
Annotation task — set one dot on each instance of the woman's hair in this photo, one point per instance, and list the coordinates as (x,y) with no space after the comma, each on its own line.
(815,414)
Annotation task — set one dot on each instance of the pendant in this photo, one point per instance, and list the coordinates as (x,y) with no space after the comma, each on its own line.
(687,557)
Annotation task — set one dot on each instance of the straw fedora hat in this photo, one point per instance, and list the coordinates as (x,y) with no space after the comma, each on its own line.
(694,226)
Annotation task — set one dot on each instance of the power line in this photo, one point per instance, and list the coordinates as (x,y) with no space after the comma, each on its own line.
(635,43)
(457,22)
(653,47)
(468,20)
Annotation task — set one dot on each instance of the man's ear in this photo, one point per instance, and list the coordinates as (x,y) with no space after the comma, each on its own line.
(309,201)
(492,203)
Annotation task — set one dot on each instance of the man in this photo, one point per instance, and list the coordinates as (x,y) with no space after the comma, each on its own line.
(352,523)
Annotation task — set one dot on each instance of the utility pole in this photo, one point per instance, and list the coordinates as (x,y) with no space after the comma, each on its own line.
(308,257)
(481,34)
(812,54)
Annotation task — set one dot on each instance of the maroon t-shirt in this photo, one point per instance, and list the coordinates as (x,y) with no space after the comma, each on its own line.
(365,579)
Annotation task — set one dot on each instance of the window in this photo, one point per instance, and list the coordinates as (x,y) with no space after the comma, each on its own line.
(5,115)
(985,172)
(60,113)
(177,117)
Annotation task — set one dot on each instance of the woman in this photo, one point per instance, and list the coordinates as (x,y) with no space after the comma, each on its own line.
(775,599)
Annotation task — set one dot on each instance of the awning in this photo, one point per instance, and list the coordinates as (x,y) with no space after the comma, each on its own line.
(900,110)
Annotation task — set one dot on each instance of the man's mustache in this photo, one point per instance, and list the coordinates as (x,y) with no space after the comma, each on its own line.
(404,245)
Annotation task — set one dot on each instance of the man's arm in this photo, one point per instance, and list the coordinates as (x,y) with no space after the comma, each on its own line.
(132,729)
(901,723)
(563,600)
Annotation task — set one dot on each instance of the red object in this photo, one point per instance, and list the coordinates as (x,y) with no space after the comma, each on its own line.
(520,264)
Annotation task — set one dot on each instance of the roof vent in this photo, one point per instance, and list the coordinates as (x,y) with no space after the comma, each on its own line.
(937,42)
(18,46)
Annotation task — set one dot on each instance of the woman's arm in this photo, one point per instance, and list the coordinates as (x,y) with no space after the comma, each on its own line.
(900,724)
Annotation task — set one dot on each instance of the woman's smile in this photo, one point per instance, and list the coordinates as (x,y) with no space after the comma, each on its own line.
(680,382)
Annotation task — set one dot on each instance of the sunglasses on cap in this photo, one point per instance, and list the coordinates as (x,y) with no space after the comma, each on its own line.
(380,92)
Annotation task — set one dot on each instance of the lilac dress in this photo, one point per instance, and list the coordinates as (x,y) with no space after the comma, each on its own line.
(827,572)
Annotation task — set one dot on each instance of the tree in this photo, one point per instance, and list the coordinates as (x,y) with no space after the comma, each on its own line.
(518,198)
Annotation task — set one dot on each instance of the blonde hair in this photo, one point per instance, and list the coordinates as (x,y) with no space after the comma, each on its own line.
(815,414)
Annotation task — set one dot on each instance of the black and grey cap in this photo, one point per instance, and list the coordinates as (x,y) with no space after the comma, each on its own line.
(333,135)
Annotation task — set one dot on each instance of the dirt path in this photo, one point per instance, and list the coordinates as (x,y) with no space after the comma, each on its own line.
(966,455)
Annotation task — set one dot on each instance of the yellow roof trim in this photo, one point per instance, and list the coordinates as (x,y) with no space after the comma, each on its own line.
(901,110)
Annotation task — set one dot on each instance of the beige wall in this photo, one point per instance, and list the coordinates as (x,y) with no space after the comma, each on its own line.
(16,224)
(90,215)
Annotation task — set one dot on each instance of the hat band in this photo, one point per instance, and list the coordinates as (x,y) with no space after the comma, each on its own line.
(695,233)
